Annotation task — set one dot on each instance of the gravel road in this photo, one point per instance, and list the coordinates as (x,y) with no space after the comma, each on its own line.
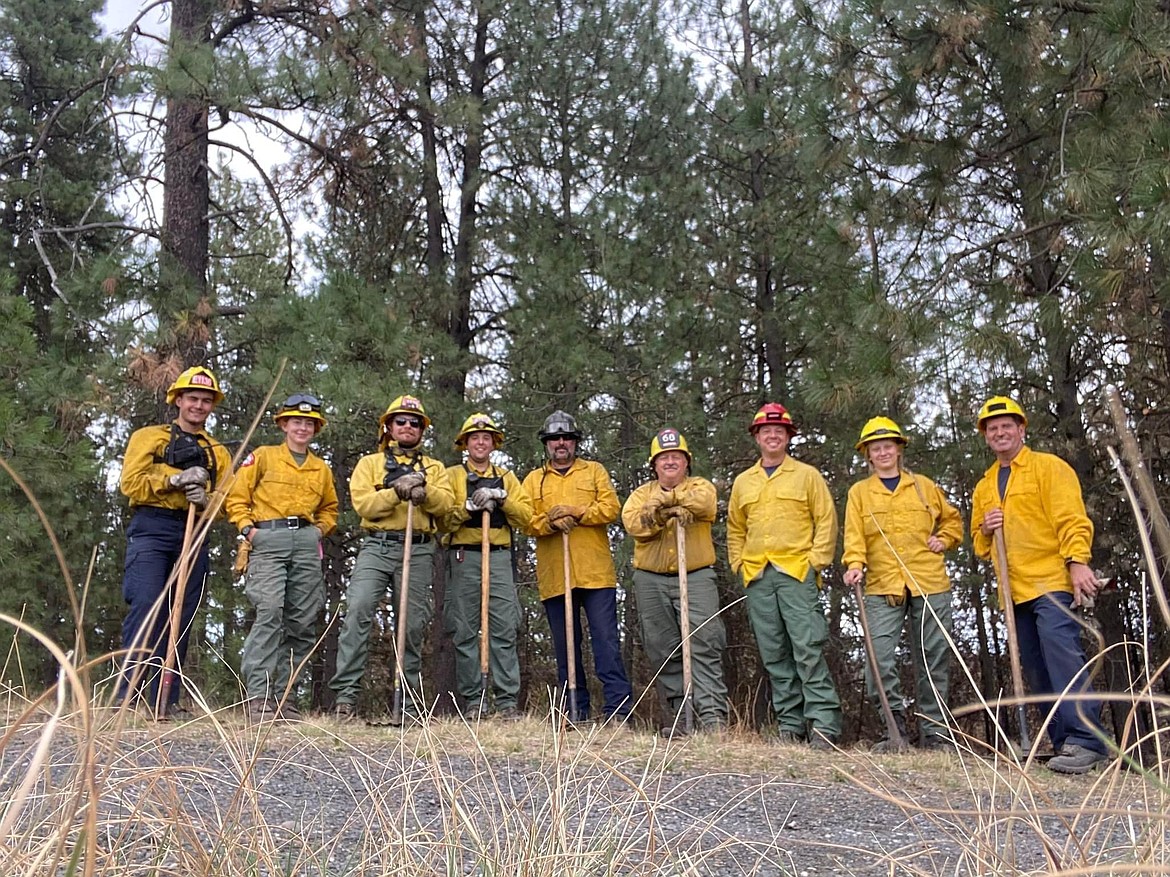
(319,798)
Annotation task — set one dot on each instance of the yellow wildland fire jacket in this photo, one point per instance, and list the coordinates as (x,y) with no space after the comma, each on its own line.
(379,506)
(466,527)
(269,484)
(586,487)
(786,519)
(145,471)
(1045,525)
(656,548)
(886,533)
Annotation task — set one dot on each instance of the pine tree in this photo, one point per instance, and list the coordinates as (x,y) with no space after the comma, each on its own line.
(55,170)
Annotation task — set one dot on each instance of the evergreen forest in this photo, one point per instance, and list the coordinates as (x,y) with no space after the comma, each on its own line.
(650,213)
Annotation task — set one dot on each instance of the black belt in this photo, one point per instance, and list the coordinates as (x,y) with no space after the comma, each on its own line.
(153,511)
(292,522)
(475,546)
(398,536)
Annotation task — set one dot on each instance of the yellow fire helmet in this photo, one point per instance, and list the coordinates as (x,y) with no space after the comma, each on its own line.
(877,428)
(195,378)
(403,405)
(479,422)
(301,405)
(997,406)
(668,439)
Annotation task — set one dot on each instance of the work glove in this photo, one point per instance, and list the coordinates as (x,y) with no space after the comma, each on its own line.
(653,520)
(196,495)
(565,524)
(195,475)
(243,550)
(566,511)
(486,499)
(418,494)
(405,484)
(684,517)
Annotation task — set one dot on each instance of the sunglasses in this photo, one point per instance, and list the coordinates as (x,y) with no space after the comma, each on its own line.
(413,422)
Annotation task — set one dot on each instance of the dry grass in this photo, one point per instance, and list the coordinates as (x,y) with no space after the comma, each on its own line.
(112,793)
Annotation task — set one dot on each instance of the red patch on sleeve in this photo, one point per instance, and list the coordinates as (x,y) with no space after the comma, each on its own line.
(248,461)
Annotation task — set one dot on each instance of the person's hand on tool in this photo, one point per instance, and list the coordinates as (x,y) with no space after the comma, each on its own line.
(195,475)
(486,499)
(196,495)
(418,494)
(852,577)
(992,521)
(682,515)
(565,524)
(404,484)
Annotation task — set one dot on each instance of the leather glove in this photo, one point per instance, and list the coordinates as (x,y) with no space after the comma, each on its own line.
(408,482)
(486,499)
(653,520)
(566,511)
(564,524)
(683,516)
(196,495)
(194,475)
(418,494)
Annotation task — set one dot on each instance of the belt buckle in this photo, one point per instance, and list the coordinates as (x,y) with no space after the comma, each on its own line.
(293,522)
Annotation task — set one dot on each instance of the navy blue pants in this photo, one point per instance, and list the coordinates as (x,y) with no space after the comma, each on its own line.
(1052,657)
(154,542)
(600,605)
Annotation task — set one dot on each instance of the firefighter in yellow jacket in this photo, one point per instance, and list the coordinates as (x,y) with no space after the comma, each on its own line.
(385,486)
(897,526)
(284,503)
(480,486)
(652,515)
(1035,500)
(575,496)
(166,470)
(781,532)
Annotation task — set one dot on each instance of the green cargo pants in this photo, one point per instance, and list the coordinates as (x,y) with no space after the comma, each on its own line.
(791,632)
(461,622)
(378,567)
(928,649)
(286,586)
(659,608)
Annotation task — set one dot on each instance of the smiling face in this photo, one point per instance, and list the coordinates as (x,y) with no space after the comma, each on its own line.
(772,440)
(884,455)
(298,432)
(670,467)
(1004,435)
(561,450)
(479,448)
(406,430)
(194,408)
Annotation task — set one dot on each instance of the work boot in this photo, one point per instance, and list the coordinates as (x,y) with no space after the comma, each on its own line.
(886,744)
(475,711)
(176,712)
(344,712)
(288,712)
(789,737)
(508,714)
(1072,758)
(937,743)
(822,741)
(262,709)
